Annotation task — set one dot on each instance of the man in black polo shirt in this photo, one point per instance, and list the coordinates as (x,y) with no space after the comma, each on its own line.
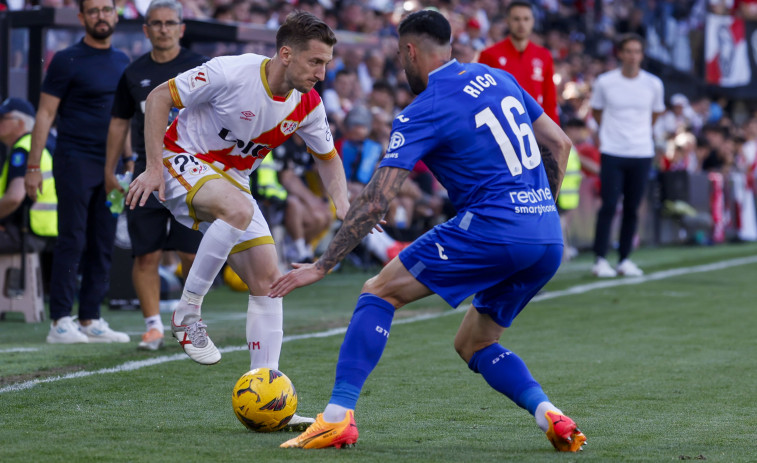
(78,88)
(152,228)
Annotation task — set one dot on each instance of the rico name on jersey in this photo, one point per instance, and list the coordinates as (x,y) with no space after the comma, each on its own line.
(230,118)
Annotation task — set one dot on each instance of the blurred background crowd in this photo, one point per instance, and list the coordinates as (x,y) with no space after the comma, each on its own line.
(701,131)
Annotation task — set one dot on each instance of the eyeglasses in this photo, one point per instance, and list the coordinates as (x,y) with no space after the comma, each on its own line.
(158,25)
(105,11)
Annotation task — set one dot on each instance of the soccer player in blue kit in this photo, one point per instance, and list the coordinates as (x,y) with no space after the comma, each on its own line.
(477,130)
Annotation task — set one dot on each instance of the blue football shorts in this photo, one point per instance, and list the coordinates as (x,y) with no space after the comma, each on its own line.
(455,263)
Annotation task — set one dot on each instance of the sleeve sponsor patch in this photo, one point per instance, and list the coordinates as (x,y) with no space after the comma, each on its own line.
(198,79)
(396,141)
(18,159)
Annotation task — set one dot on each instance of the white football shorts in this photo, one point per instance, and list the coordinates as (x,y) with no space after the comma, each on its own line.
(184,175)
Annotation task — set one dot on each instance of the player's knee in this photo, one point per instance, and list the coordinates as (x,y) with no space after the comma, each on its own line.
(238,214)
(467,346)
(376,287)
(147,262)
(261,284)
(462,348)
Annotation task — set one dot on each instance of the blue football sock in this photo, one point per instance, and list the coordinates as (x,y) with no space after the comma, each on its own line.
(362,347)
(508,374)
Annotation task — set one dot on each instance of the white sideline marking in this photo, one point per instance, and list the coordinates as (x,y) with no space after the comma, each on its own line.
(580,289)
(19,349)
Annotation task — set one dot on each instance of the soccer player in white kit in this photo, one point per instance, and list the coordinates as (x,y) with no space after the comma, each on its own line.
(234,111)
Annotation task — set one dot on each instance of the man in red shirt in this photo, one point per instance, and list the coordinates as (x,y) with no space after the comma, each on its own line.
(530,64)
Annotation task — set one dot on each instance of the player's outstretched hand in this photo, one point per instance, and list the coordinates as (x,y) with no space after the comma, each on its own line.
(302,275)
(142,187)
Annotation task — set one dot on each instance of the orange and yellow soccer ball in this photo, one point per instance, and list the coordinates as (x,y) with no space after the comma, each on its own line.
(264,400)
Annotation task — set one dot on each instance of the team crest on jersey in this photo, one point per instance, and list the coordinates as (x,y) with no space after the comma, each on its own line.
(538,69)
(396,141)
(144,82)
(198,79)
(288,127)
(502,60)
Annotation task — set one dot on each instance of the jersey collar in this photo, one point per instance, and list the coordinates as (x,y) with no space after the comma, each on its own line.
(265,83)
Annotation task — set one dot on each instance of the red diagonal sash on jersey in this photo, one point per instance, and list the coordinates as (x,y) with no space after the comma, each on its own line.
(264,142)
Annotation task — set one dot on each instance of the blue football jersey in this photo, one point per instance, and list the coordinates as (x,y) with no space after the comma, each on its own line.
(472,128)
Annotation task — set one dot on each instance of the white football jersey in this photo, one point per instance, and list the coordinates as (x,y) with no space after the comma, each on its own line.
(230,118)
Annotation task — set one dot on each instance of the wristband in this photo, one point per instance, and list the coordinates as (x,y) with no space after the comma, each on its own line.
(33,169)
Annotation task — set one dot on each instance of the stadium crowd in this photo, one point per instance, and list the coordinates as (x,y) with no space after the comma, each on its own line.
(365,90)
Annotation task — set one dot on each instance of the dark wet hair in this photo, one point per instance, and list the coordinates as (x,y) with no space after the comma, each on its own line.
(428,23)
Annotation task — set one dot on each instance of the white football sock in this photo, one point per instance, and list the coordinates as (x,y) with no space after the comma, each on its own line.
(378,244)
(211,255)
(334,413)
(303,250)
(154,322)
(541,409)
(189,304)
(265,331)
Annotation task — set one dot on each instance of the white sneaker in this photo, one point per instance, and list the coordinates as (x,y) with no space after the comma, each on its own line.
(298,423)
(602,269)
(66,331)
(629,269)
(194,339)
(99,331)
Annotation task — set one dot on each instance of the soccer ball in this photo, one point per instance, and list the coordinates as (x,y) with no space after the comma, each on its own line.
(264,400)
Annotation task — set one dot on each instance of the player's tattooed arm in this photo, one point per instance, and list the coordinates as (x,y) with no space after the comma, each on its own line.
(365,212)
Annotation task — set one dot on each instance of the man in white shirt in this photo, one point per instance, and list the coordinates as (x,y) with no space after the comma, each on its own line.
(625,102)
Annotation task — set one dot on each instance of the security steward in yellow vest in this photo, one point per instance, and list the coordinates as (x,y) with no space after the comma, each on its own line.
(571,184)
(268,191)
(16,123)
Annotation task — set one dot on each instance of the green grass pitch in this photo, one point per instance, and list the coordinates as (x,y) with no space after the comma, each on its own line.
(660,369)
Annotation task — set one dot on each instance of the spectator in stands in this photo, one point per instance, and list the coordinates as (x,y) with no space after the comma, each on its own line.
(351,14)
(626,103)
(463,51)
(127,9)
(224,13)
(531,64)
(82,99)
(677,119)
(575,105)
(722,149)
(714,136)
(381,126)
(680,154)
(23,223)
(382,97)
(403,95)
(360,154)
(338,100)
(152,228)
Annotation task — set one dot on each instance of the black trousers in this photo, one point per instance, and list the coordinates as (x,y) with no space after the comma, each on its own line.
(620,176)
(86,230)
